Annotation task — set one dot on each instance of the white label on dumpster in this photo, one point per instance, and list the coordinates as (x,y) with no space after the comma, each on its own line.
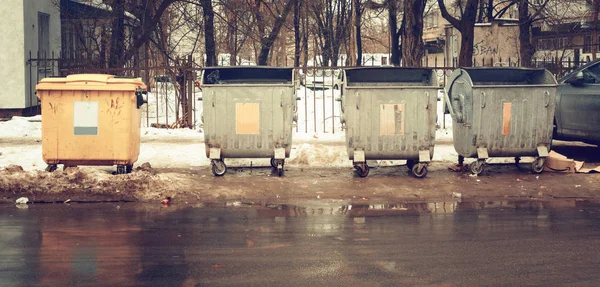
(85,119)
(391,119)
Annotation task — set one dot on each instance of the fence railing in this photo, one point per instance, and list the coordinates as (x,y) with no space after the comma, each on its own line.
(173,90)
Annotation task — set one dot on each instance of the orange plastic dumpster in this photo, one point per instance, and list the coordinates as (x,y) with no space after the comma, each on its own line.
(91,119)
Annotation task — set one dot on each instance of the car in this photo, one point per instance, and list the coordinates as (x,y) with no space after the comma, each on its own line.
(577,115)
(322,79)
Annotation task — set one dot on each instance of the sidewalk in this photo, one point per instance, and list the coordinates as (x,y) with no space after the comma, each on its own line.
(318,168)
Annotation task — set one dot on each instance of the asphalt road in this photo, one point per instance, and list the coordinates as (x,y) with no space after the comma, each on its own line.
(311,243)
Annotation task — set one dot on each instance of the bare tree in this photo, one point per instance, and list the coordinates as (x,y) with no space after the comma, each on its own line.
(209,33)
(267,37)
(465,24)
(357,23)
(526,19)
(412,33)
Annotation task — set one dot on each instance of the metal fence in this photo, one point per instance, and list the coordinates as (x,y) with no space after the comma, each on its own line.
(174,89)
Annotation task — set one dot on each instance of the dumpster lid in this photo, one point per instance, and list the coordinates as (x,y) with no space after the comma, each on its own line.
(390,75)
(90,80)
(491,76)
(247,75)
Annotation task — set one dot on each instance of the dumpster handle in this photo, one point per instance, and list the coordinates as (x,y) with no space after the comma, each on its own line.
(427,102)
(483,96)
(281,99)
(546,99)
(213,98)
(357,101)
(451,108)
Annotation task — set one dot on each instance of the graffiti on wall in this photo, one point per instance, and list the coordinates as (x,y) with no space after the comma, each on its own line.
(481,49)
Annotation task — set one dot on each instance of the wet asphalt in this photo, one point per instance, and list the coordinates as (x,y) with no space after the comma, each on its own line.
(309,243)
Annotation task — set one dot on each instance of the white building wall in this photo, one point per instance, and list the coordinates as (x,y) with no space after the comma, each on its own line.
(32,8)
(12,58)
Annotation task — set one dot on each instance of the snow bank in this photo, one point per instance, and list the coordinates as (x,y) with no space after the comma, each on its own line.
(19,127)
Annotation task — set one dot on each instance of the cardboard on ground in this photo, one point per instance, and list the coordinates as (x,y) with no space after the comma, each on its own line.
(559,163)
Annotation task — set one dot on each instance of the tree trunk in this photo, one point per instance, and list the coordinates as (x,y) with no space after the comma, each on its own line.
(393,32)
(412,34)
(490,10)
(297,33)
(305,37)
(357,22)
(465,57)
(526,49)
(231,39)
(117,40)
(466,27)
(209,33)
(268,41)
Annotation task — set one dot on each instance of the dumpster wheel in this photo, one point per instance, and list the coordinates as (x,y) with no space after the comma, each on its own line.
(419,170)
(121,169)
(51,167)
(278,164)
(476,167)
(362,169)
(537,166)
(273,163)
(218,167)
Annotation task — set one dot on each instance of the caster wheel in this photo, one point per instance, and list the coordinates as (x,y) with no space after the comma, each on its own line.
(218,167)
(362,170)
(280,170)
(537,166)
(476,167)
(419,170)
(410,164)
(517,161)
(51,167)
(128,168)
(273,163)
(120,169)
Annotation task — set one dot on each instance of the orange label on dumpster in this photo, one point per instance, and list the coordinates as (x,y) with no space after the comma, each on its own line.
(391,119)
(247,119)
(506,119)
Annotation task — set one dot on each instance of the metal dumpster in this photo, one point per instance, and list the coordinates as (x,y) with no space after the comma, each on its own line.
(501,112)
(91,119)
(390,113)
(248,112)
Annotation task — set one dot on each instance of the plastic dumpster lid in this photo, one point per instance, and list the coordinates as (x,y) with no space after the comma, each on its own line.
(487,76)
(87,80)
(247,75)
(399,75)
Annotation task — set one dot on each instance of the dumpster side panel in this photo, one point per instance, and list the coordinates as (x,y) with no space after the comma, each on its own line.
(96,128)
(393,122)
(52,108)
(248,121)
(513,122)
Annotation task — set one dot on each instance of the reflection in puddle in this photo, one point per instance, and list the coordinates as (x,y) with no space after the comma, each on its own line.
(136,244)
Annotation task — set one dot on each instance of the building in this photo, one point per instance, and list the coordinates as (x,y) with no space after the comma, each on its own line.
(29,28)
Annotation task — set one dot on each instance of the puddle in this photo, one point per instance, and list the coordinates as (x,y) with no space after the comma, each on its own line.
(340,207)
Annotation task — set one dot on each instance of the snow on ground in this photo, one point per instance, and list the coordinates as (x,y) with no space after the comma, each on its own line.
(21,127)
(318,136)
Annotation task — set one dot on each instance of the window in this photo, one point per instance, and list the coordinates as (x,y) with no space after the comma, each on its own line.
(587,44)
(44,34)
(591,75)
